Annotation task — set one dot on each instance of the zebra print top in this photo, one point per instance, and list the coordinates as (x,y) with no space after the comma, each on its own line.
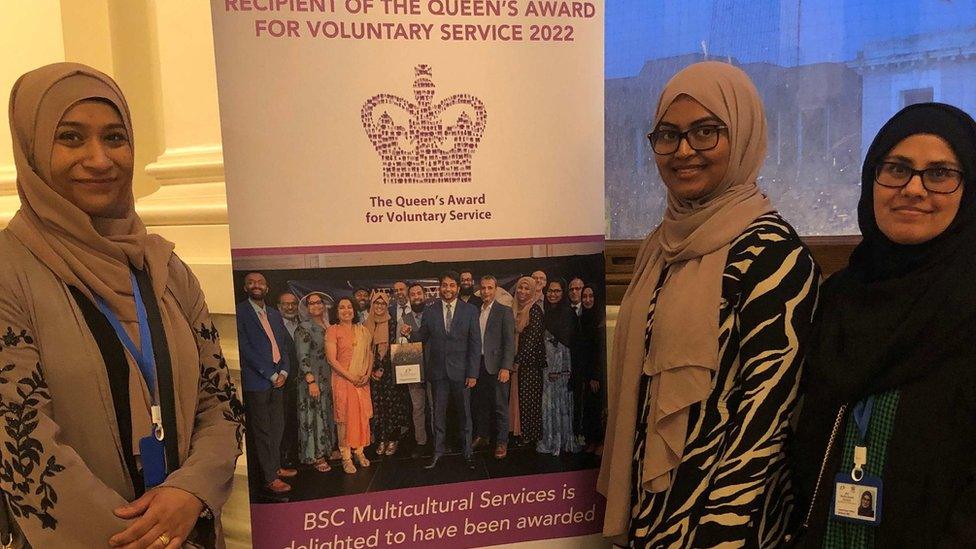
(732,487)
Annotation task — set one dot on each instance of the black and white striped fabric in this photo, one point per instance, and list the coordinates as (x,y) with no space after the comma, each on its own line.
(732,488)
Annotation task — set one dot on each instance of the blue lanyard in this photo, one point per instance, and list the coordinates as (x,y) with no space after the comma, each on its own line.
(144,357)
(862,417)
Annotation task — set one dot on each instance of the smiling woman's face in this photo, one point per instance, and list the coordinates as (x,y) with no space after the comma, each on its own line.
(687,173)
(912,214)
(344,310)
(91,160)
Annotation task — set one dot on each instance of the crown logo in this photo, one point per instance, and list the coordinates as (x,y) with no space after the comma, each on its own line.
(427,150)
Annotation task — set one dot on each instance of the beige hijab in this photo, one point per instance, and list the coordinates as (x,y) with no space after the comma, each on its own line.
(692,240)
(378,325)
(522,310)
(90,254)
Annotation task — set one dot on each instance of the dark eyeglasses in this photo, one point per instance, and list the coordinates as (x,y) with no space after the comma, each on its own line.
(699,138)
(896,175)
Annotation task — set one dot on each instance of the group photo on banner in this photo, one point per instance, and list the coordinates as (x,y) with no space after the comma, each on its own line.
(397,383)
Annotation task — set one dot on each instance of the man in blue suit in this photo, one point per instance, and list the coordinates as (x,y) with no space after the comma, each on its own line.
(263,342)
(451,336)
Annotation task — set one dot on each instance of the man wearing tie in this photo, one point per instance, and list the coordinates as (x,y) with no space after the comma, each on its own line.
(262,339)
(577,382)
(490,395)
(451,336)
(400,303)
(576,295)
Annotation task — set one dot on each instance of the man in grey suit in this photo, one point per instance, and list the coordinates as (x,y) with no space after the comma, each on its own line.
(418,391)
(452,354)
(490,398)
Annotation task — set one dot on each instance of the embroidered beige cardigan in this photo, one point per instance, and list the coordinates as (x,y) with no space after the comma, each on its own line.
(61,464)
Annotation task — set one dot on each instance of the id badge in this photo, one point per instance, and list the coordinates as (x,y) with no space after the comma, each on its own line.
(152,452)
(857,501)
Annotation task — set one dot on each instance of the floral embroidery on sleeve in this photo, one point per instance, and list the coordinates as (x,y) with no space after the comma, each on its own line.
(22,452)
(215,378)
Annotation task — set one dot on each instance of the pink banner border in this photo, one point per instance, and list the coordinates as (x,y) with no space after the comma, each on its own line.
(399,246)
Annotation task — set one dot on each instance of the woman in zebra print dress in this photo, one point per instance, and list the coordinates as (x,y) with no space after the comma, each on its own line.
(709,340)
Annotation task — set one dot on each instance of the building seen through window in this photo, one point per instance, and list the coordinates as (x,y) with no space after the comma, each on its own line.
(830,72)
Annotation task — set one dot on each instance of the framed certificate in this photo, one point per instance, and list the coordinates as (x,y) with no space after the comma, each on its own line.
(408,362)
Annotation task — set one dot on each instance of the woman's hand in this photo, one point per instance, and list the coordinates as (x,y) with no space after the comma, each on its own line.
(364,380)
(378,374)
(162,511)
(595,385)
(313,390)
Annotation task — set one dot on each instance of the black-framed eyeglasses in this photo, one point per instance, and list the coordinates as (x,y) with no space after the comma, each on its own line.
(939,180)
(699,138)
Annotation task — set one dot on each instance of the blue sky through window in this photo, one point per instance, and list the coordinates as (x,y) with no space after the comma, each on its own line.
(830,72)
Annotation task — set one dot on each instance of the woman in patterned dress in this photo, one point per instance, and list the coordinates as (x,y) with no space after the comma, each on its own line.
(390,401)
(897,330)
(710,337)
(530,359)
(316,417)
(557,400)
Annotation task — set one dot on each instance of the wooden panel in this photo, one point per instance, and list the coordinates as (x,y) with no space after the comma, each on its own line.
(830,252)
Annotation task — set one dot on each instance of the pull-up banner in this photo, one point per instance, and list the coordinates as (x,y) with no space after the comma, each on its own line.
(370,147)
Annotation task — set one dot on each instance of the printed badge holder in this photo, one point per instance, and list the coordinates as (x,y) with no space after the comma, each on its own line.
(850,487)
(152,449)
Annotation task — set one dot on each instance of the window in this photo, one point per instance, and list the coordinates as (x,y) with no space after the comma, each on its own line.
(918,95)
(827,71)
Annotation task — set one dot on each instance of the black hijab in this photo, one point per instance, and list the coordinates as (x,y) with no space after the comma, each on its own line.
(592,318)
(899,311)
(560,319)
(902,317)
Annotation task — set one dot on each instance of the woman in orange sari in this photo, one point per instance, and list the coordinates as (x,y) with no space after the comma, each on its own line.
(348,350)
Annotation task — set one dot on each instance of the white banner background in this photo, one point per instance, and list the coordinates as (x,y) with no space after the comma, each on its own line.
(301,170)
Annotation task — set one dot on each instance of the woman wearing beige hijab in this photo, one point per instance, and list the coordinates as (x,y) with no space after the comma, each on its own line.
(121,426)
(390,400)
(708,346)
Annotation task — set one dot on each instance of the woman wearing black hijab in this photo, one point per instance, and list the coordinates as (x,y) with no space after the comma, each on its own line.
(892,369)
(592,353)
(557,400)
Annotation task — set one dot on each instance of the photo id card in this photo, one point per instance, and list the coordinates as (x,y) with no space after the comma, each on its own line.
(152,452)
(857,501)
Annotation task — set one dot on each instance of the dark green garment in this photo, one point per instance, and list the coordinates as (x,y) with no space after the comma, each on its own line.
(847,535)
